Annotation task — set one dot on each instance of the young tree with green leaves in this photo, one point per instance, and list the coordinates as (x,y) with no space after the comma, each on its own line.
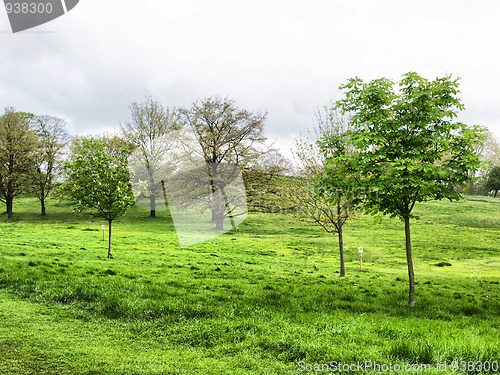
(52,138)
(17,147)
(409,149)
(329,211)
(493,181)
(99,183)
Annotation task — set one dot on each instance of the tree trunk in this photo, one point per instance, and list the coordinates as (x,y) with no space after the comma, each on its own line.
(10,202)
(219,223)
(231,219)
(341,239)
(164,194)
(109,239)
(212,174)
(229,211)
(219,209)
(409,261)
(152,204)
(341,248)
(496,191)
(42,201)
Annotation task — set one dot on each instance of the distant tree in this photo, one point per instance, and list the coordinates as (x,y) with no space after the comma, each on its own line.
(152,132)
(223,135)
(490,155)
(99,183)
(409,149)
(493,181)
(330,210)
(17,147)
(113,144)
(489,150)
(52,138)
(263,180)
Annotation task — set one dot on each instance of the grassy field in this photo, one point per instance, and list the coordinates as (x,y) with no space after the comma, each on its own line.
(265,299)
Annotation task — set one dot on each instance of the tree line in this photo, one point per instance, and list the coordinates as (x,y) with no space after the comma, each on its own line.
(98,172)
(34,149)
(31,148)
(382,148)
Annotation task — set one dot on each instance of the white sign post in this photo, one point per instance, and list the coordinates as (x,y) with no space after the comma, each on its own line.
(103,232)
(360,258)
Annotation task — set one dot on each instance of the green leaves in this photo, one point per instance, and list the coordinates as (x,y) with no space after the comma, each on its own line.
(408,149)
(98,182)
(493,181)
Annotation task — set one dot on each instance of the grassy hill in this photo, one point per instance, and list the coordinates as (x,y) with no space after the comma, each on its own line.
(265,299)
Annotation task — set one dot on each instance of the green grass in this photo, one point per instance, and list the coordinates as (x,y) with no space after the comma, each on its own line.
(254,301)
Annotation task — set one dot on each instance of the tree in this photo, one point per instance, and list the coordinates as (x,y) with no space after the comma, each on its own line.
(52,138)
(408,147)
(493,181)
(330,210)
(489,150)
(263,180)
(113,144)
(152,132)
(490,155)
(223,136)
(17,146)
(99,183)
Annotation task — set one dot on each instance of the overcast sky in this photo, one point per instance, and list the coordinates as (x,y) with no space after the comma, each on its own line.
(284,57)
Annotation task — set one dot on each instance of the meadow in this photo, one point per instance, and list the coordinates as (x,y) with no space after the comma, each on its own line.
(264,299)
